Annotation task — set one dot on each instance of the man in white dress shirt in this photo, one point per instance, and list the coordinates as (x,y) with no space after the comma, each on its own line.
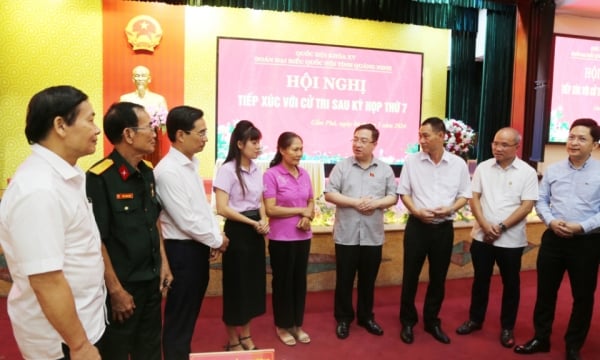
(189,227)
(49,235)
(434,184)
(505,189)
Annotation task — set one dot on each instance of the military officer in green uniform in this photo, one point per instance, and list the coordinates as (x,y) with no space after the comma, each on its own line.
(122,190)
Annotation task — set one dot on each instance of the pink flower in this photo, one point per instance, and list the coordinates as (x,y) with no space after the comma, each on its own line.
(158,116)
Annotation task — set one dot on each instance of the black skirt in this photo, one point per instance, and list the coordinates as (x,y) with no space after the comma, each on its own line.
(244,274)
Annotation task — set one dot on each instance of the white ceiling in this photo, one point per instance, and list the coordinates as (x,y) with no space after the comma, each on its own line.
(585,8)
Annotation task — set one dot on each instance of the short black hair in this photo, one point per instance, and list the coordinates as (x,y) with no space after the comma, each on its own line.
(182,118)
(372,128)
(437,124)
(118,117)
(589,123)
(46,105)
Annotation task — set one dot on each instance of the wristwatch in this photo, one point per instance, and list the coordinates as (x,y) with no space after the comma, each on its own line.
(502,227)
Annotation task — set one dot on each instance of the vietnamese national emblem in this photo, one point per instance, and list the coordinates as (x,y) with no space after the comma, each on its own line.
(143,33)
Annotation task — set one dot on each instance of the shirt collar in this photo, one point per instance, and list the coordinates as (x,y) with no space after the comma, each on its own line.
(514,164)
(587,161)
(252,168)
(183,160)
(66,170)
(121,162)
(282,170)
(372,163)
(425,156)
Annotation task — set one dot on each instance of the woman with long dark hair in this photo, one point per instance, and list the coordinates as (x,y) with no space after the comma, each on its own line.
(289,203)
(238,191)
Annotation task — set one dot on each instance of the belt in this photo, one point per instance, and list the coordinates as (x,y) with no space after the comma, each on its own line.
(431,225)
(251,213)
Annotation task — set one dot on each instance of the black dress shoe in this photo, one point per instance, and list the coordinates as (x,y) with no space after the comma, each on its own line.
(372,327)
(533,346)
(407,334)
(438,334)
(507,338)
(342,330)
(468,327)
(573,354)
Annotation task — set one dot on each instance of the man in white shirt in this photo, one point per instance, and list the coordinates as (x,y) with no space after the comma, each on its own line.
(49,236)
(434,184)
(505,189)
(189,227)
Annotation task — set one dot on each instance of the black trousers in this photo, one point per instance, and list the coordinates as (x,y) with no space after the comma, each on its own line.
(289,260)
(484,257)
(434,242)
(351,260)
(189,262)
(138,338)
(578,256)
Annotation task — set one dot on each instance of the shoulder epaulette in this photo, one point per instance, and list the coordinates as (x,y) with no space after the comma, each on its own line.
(148,164)
(101,167)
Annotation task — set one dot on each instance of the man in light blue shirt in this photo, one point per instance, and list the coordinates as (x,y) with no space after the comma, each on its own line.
(569,204)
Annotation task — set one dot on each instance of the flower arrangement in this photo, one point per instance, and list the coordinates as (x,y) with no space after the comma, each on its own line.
(460,137)
(158,116)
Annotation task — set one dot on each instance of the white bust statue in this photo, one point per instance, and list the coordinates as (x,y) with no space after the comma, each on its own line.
(142,96)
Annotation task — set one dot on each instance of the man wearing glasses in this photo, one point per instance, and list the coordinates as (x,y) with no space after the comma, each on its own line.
(191,232)
(122,190)
(361,187)
(505,189)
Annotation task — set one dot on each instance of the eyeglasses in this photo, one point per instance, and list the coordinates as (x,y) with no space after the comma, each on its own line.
(503,145)
(149,127)
(362,141)
(201,133)
(578,139)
